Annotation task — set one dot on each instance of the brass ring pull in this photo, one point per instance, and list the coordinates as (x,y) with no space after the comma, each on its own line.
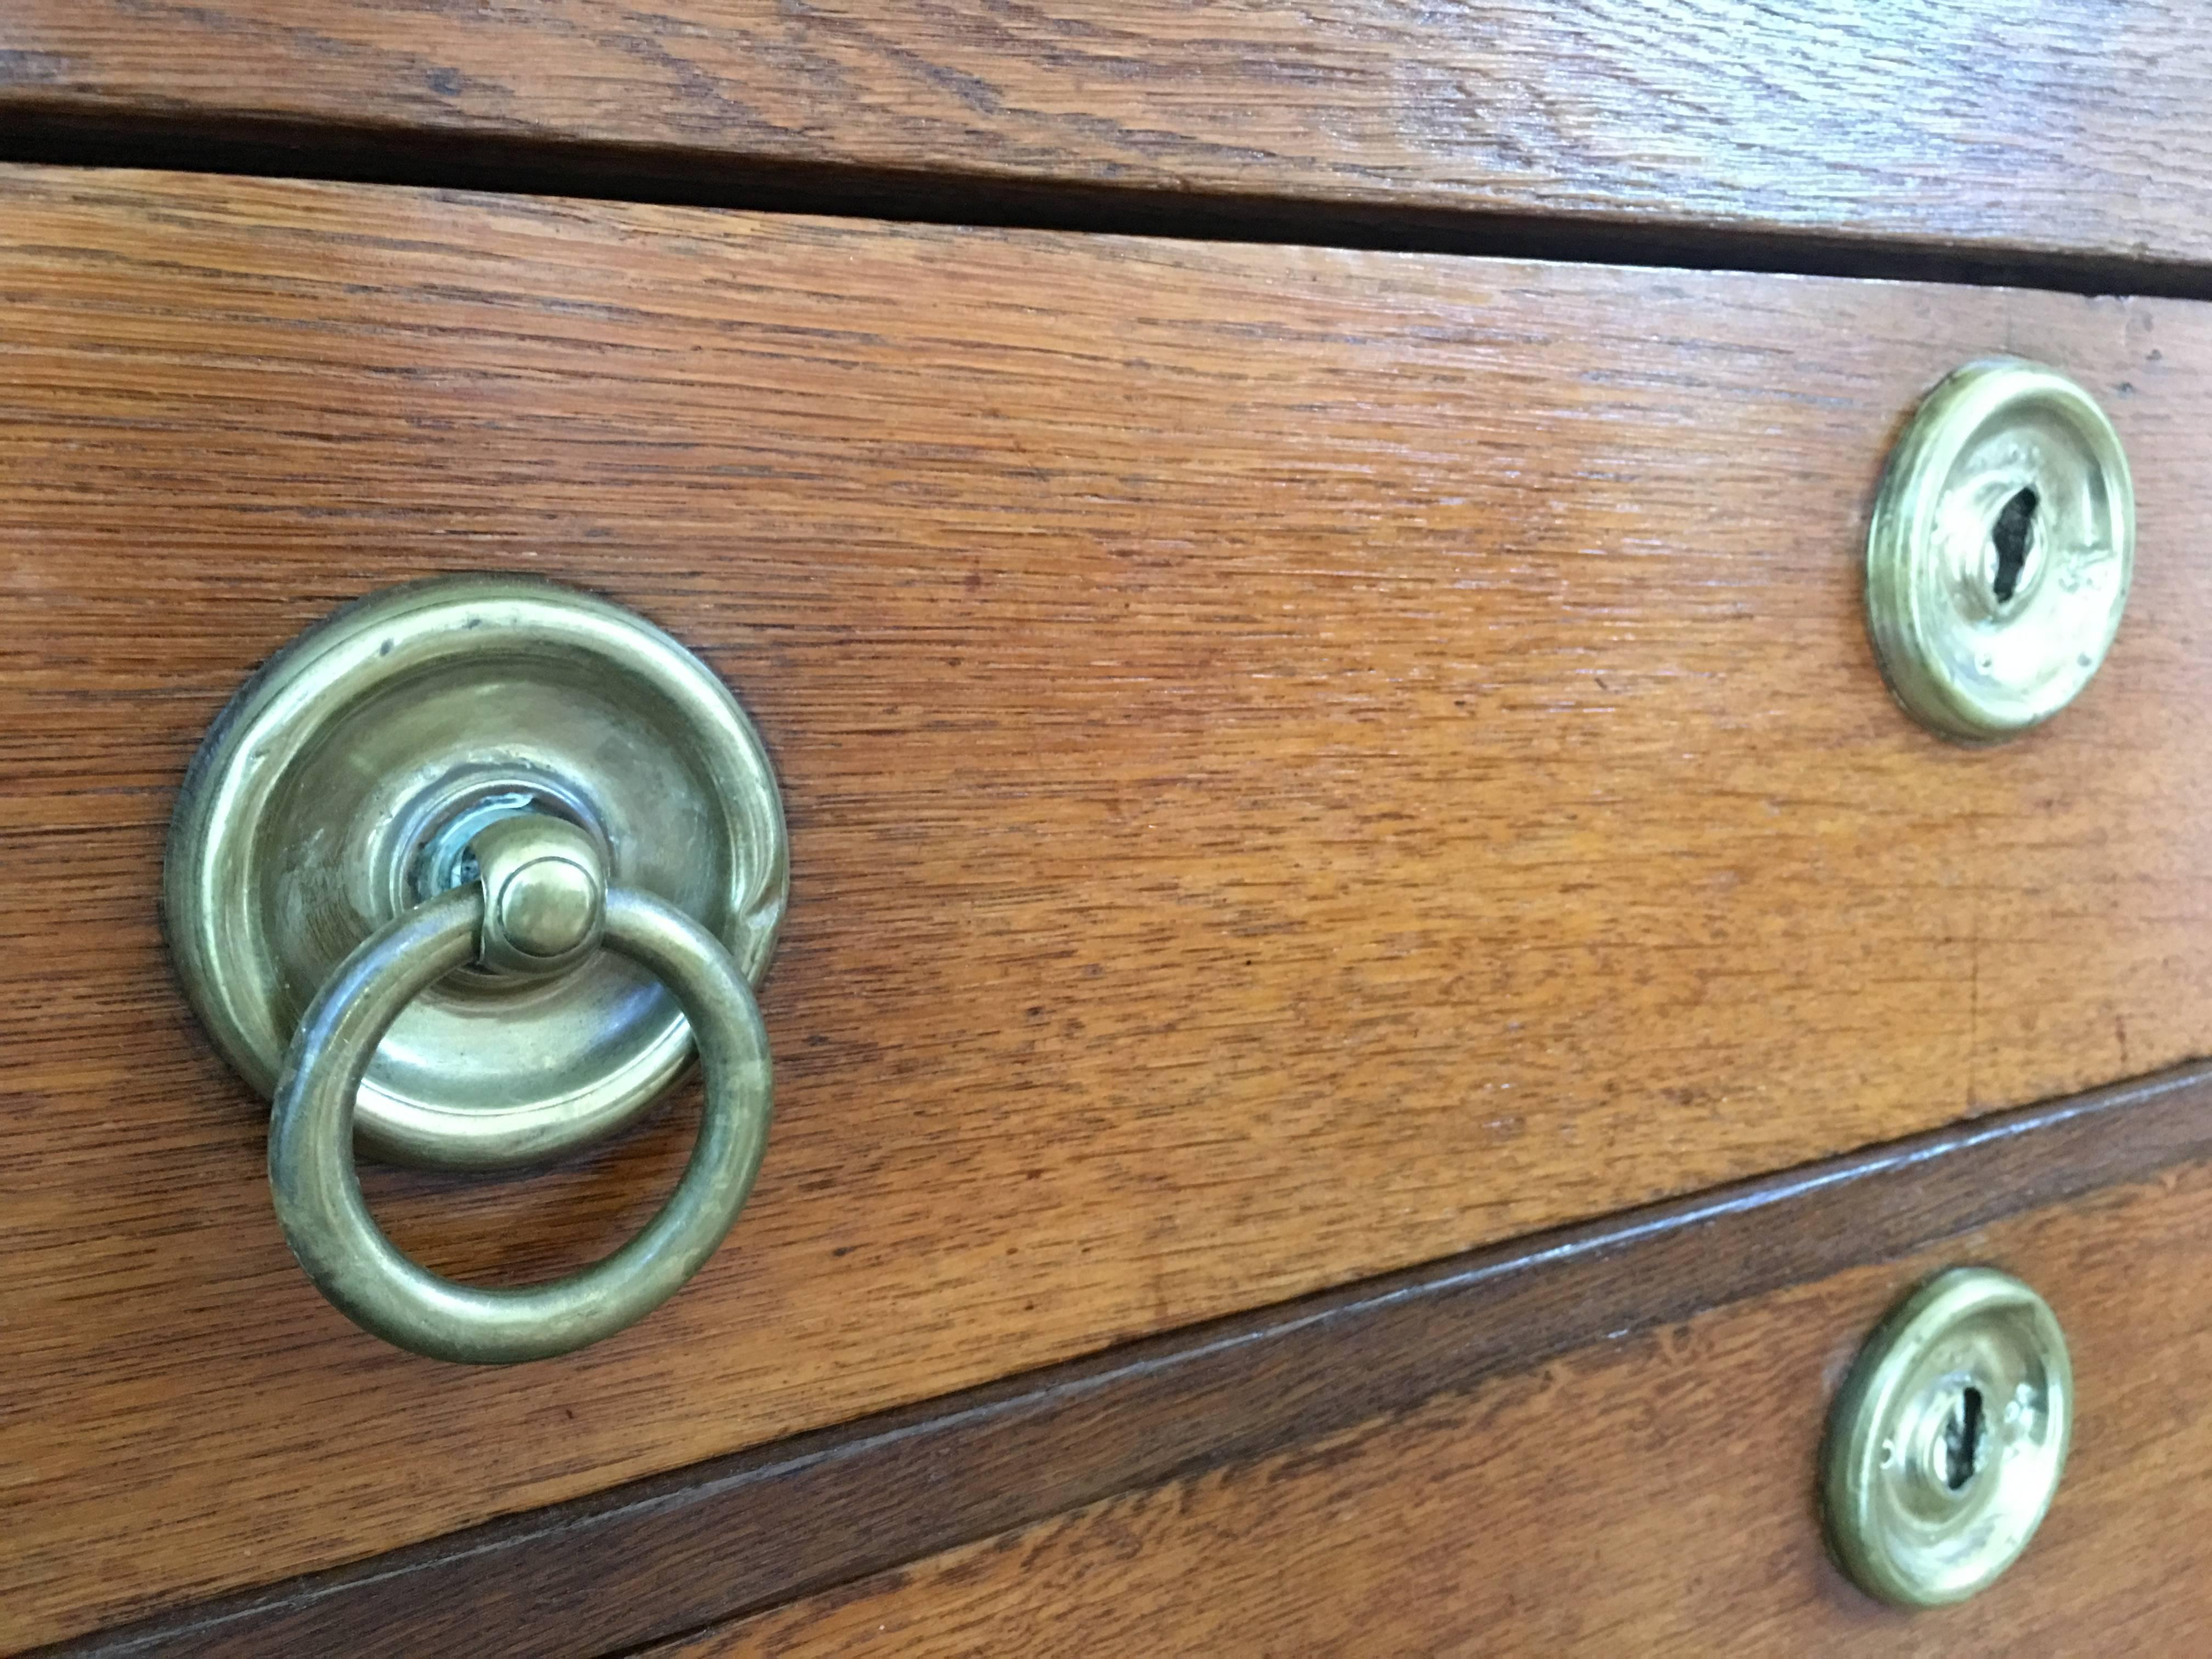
(539,903)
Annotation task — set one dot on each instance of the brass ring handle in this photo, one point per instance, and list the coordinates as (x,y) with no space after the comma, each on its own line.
(311,1154)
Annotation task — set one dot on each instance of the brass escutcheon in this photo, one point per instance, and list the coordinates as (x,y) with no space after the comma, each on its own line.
(1947,1441)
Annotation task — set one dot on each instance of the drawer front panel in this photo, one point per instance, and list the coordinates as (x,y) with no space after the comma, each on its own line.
(1649,1495)
(1299,762)
(2065,133)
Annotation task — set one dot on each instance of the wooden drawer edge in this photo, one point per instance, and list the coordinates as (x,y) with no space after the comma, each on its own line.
(1349,119)
(747,1532)
(1655,1493)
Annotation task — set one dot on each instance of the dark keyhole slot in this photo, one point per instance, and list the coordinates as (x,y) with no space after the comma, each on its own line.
(1962,1437)
(2010,536)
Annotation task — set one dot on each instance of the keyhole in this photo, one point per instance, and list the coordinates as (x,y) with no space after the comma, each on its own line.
(2011,535)
(1962,1439)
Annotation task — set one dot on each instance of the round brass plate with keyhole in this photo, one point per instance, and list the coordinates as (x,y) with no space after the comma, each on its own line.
(2000,551)
(1947,1442)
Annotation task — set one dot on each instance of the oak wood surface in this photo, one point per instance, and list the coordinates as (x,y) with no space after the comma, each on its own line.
(1299,762)
(1652,1493)
(2064,126)
(680,1551)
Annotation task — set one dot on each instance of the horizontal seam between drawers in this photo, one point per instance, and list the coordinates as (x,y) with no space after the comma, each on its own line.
(367,155)
(889,1489)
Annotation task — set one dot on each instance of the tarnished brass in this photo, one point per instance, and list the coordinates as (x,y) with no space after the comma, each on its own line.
(2000,551)
(351,780)
(392,868)
(310,1162)
(1947,1441)
(545,894)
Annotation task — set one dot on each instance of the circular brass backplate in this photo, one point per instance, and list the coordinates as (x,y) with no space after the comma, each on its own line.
(1947,1442)
(342,784)
(2000,551)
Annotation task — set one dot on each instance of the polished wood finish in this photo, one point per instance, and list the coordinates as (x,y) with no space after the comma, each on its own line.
(1650,1494)
(1300,762)
(2069,128)
(676,1552)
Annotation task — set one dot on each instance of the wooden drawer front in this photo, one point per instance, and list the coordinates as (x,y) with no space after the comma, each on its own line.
(1299,762)
(1647,1495)
(2067,133)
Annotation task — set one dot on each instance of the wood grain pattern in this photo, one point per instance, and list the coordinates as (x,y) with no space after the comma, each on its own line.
(679,1552)
(1651,1494)
(1299,763)
(2061,125)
